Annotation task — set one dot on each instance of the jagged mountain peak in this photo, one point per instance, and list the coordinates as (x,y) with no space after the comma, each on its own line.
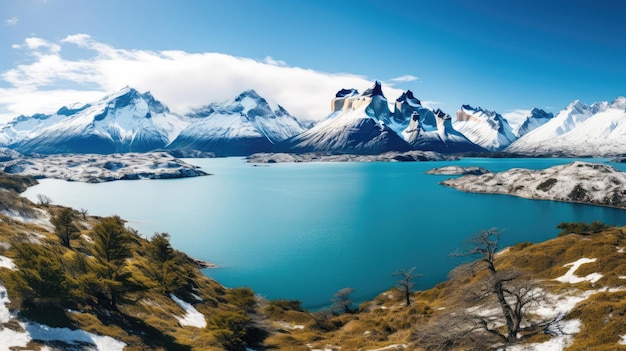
(619,103)
(250,93)
(534,120)
(539,113)
(479,109)
(484,127)
(408,96)
(375,90)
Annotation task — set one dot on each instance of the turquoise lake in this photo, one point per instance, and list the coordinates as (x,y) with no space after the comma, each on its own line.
(305,230)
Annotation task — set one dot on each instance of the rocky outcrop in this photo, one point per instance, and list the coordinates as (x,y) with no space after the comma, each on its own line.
(94,168)
(582,182)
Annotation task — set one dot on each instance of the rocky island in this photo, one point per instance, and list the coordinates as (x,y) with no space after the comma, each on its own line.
(409,156)
(458,170)
(581,182)
(95,168)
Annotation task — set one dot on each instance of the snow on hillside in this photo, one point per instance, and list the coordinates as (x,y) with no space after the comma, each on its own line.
(122,121)
(192,317)
(243,125)
(11,339)
(591,183)
(598,130)
(486,128)
(535,119)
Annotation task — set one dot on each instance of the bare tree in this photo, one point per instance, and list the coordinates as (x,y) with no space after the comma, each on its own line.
(406,284)
(342,302)
(502,297)
(43,200)
(84,211)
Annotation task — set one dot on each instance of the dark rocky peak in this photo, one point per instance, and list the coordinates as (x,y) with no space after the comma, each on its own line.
(252,94)
(154,104)
(374,90)
(68,111)
(440,114)
(539,113)
(346,93)
(124,97)
(408,96)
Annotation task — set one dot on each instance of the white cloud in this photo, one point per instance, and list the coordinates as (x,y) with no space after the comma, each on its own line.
(516,117)
(11,21)
(179,79)
(431,104)
(402,79)
(271,61)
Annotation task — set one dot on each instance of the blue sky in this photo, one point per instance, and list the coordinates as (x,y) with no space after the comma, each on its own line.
(501,55)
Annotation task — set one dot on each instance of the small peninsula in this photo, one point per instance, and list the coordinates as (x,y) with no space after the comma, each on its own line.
(458,170)
(96,168)
(580,182)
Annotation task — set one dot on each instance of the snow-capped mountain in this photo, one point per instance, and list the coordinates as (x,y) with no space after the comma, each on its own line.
(425,129)
(241,126)
(123,121)
(358,123)
(442,138)
(536,119)
(598,129)
(486,128)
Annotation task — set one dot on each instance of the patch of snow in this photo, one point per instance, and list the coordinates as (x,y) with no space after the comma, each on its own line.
(10,339)
(291,325)
(192,317)
(620,249)
(42,332)
(557,343)
(5,314)
(6,263)
(622,340)
(572,278)
(41,218)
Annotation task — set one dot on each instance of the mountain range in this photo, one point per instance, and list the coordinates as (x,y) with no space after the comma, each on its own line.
(358,123)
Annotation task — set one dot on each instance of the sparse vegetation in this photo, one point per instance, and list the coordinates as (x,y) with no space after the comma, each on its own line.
(581,228)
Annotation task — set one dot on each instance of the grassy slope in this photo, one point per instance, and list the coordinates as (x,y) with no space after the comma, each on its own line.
(147,319)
